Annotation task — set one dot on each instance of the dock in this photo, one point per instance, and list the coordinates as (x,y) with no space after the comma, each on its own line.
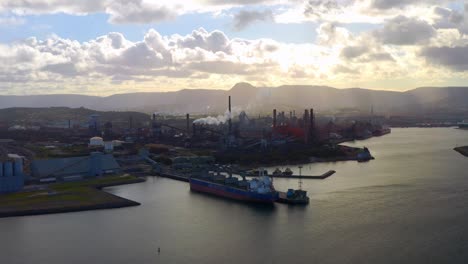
(319,177)
(174,177)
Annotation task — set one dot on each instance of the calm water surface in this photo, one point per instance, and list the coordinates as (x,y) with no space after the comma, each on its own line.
(410,205)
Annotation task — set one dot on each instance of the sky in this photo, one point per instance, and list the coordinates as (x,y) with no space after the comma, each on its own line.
(104,47)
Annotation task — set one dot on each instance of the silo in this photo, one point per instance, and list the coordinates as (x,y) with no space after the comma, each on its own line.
(8,169)
(95,164)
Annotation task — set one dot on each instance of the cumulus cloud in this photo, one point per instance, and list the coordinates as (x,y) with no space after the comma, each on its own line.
(139,12)
(245,18)
(125,11)
(114,57)
(331,34)
(455,58)
(402,30)
(353,51)
(446,17)
(389,4)
(53,6)
(319,8)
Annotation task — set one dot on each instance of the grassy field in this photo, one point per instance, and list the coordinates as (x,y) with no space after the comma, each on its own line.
(66,197)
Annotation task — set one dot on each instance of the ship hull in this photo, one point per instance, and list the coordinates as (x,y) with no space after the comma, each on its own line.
(230,192)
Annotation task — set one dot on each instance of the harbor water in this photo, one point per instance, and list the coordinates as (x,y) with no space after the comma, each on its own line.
(409,205)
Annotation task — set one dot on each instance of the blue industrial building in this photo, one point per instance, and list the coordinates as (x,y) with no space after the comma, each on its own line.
(97,164)
(11,176)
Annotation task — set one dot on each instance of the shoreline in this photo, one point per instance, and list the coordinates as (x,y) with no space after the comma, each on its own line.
(67,198)
(462,150)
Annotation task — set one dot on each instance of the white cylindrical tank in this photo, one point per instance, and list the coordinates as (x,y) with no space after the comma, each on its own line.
(117,143)
(108,146)
(96,141)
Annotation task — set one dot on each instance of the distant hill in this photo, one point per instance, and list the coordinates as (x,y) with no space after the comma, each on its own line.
(63,114)
(261,99)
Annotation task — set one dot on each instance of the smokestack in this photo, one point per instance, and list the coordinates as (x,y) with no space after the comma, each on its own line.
(306,126)
(188,124)
(154,117)
(274,118)
(230,117)
(312,125)
(312,118)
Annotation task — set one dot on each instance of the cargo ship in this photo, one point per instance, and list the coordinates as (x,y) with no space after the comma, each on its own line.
(259,190)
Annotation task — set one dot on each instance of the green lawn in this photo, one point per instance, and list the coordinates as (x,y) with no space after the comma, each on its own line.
(65,195)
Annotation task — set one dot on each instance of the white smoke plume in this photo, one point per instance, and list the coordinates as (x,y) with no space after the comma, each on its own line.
(220,119)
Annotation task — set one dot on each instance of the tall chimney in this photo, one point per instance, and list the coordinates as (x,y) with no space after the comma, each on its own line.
(188,124)
(306,126)
(230,121)
(312,125)
(312,118)
(274,118)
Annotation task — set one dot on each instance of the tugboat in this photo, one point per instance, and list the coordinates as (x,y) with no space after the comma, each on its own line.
(294,197)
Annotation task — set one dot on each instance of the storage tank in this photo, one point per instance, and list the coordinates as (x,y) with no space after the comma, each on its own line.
(108,146)
(8,169)
(96,141)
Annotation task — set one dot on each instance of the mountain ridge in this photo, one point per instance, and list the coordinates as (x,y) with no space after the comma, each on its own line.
(257,99)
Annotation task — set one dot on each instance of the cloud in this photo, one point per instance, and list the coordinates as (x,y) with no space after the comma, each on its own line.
(245,18)
(352,52)
(446,17)
(331,34)
(344,70)
(9,21)
(455,58)
(53,6)
(402,30)
(138,12)
(125,11)
(389,4)
(319,8)
(114,57)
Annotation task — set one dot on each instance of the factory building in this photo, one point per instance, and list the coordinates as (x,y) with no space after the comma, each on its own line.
(11,175)
(74,168)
